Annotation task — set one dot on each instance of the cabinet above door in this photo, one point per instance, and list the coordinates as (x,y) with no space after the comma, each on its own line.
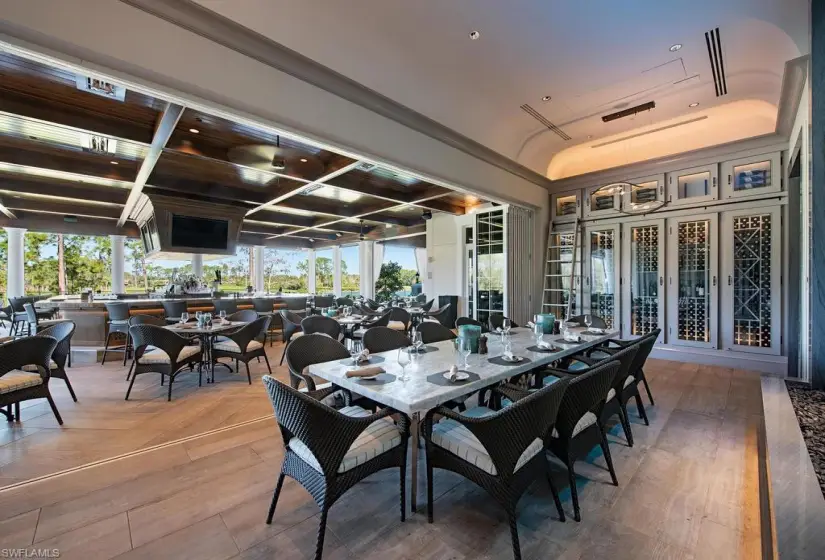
(752,176)
(566,207)
(604,200)
(693,185)
(644,192)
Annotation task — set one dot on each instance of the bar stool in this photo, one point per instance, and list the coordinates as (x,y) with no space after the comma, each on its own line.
(264,307)
(118,327)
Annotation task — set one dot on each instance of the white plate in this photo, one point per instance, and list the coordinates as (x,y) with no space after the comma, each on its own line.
(460,376)
(513,360)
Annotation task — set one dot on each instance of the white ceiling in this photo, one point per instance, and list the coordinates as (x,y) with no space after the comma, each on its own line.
(593,57)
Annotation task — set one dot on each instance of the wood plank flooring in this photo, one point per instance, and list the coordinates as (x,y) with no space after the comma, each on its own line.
(688,488)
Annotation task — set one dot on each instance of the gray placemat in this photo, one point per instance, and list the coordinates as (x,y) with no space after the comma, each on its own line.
(439,379)
(500,361)
(372,360)
(381,379)
(562,341)
(552,350)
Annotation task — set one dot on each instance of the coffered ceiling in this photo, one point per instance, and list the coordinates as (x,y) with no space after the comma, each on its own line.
(541,75)
(72,151)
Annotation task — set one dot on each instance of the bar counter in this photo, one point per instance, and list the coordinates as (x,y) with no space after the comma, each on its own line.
(91,317)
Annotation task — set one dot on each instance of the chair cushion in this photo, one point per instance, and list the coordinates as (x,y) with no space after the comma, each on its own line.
(612,392)
(16,380)
(329,400)
(459,440)
(431,320)
(32,367)
(158,356)
(230,346)
(380,436)
(116,322)
(584,422)
(397,325)
(577,366)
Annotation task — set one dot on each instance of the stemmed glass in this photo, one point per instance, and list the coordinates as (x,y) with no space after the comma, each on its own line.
(538,331)
(404,361)
(222,315)
(417,341)
(464,349)
(184,317)
(506,325)
(588,320)
(199,317)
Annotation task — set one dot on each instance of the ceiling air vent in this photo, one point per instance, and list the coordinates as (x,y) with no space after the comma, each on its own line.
(98,144)
(539,117)
(366,166)
(717,62)
(630,111)
(101,87)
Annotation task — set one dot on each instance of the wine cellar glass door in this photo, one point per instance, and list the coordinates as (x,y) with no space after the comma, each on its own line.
(693,281)
(643,278)
(751,291)
(602,275)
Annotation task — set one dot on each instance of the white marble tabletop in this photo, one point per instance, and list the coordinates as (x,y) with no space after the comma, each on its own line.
(216,327)
(419,395)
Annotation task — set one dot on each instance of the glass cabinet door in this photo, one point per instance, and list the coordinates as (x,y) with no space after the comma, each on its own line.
(751,291)
(752,176)
(644,192)
(643,271)
(604,200)
(692,280)
(565,207)
(490,264)
(558,267)
(602,276)
(692,186)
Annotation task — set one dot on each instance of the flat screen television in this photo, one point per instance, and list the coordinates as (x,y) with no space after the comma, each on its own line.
(199,233)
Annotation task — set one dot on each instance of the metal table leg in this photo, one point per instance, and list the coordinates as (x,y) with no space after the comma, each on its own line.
(415,420)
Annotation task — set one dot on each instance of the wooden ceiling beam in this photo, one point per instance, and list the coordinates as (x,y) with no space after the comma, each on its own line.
(166,126)
(65,189)
(275,243)
(47,223)
(67,115)
(47,157)
(64,208)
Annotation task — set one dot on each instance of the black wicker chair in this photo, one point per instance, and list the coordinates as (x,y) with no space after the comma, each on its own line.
(62,332)
(170,353)
(344,302)
(469,321)
(372,304)
(6,314)
(501,451)
(578,428)
(228,305)
(439,316)
(596,321)
(328,452)
(647,342)
(265,308)
(384,339)
(399,317)
(172,310)
(496,321)
(434,332)
(244,345)
(35,322)
(291,324)
(18,385)
(427,306)
(320,324)
(243,316)
(141,320)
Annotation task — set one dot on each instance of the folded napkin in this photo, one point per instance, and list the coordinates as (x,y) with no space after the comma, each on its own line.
(596,330)
(508,355)
(365,372)
(453,373)
(544,345)
(531,324)
(572,337)
(361,357)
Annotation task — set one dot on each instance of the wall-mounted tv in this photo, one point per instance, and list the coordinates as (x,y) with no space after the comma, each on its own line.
(199,233)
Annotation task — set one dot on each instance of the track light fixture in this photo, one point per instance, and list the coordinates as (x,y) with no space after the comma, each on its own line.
(361,231)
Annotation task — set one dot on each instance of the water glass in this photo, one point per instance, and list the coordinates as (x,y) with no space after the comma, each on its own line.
(506,325)
(417,341)
(184,317)
(538,331)
(222,314)
(588,320)
(404,361)
(464,349)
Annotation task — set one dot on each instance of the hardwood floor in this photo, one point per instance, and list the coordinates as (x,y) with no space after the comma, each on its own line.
(688,488)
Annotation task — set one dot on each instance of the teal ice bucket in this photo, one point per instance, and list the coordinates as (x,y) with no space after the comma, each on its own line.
(471,333)
(547,322)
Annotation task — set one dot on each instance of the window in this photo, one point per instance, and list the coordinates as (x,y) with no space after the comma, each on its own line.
(404,256)
(350,271)
(285,271)
(323,271)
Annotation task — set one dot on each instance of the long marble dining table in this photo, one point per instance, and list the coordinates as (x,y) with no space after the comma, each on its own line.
(419,394)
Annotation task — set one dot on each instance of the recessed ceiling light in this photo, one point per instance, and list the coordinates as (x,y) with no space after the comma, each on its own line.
(676,47)
(303,160)
(589,136)
(695,104)
(338,234)
(113,162)
(474,35)
(546,98)
(194,130)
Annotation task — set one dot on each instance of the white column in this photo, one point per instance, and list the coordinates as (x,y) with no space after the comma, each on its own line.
(15,285)
(258,255)
(197,265)
(118,263)
(311,271)
(365,269)
(336,271)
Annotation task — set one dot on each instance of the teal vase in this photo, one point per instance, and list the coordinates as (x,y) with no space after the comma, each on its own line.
(472,333)
(547,322)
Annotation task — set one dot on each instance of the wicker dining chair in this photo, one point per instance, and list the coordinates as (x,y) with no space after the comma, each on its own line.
(172,310)
(427,306)
(595,321)
(496,321)
(169,355)
(141,319)
(578,428)
(434,332)
(321,324)
(228,305)
(62,332)
(35,322)
(291,324)
(399,319)
(384,339)
(344,302)
(438,316)
(244,345)
(647,342)
(501,451)
(470,321)
(328,451)
(18,385)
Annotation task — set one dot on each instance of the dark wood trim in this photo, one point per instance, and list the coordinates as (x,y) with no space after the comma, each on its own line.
(55,224)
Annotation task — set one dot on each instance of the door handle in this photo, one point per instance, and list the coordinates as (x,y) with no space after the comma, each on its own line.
(661,280)
(730,179)
(730,280)
(714,280)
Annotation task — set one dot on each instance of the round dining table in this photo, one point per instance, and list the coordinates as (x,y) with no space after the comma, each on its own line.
(207,336)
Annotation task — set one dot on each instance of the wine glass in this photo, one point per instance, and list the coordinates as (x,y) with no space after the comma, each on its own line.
(538,331)
(588,320)
(464,349)
(506,325)
(417,341)
(184,317)
(508,344)
(222,315)
(404,361)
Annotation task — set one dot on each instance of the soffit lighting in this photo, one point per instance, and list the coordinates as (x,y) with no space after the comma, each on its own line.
(676,47)
(194,131)
(303,160)
(474,35)
(695,104)
(114,162)
(546,98)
